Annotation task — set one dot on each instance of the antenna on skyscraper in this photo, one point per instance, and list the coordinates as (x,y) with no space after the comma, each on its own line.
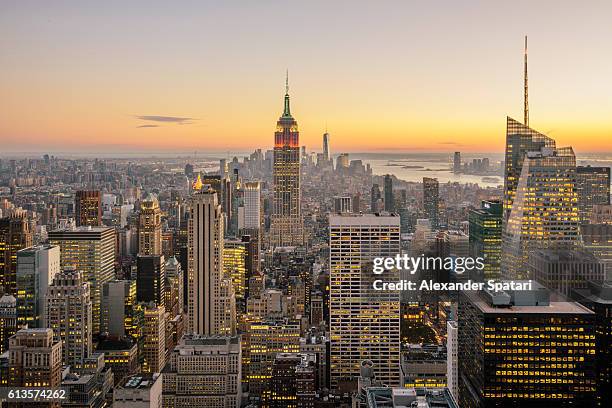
(287,82)
(526,93)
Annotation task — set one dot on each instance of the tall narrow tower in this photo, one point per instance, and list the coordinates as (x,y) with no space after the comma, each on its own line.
(286,228)
(526,91)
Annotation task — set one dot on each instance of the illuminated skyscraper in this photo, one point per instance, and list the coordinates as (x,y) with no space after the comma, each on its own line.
(88,208)
(15,235)
(149,227)
(364,323)
(486,237)
(431,200)
(593,188)
(287,224)
(154,345)
(234,266)
(520,349)
(90,250)
(520,139)
(211,304)
(69,315)
(544,211)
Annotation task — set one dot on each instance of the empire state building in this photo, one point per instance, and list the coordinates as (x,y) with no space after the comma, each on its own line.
(287,224)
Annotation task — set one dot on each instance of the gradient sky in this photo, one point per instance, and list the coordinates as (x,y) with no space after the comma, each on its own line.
(388,75)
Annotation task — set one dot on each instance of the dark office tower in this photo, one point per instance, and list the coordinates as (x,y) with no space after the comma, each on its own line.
(14,235)
(389,203)
(292,383)
(356,203)
(375,197)
(150,278)
(598,298)
(326,155)
(287,225)
(486,237)
(593,187)
(519,349)
(431,200)
(88,208)
(8,320)
(457,162)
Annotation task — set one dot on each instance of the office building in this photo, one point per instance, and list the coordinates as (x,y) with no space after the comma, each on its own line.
(174,287)
(326,153)
(139,391)
(293,382)
(431,200)
(36,269)
(90,250)
(375,199)
(388,188)
(287,224)
(35,359)
(563,271)
(252,205)
(154,333)
(8,320)
(457,162)
(597,238)
(593,188)
(121,315)
(424,366)
(262,341)
(149,228)
(88,208)
(544,212)
(343,204)
(235,266)
(120,355)
(364,324)
(598,298)
(69,315)
(486,238)
(150,278)
(452,358)
(520,139)
(601,214)
(15,235)
(212,308)
(204,372)
(519,348)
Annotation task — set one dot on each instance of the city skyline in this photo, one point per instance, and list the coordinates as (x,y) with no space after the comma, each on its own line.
(430,84)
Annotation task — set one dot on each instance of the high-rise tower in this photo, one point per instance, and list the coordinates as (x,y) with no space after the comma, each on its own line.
(326,146)
(149,227)
(287,227)
(211,304)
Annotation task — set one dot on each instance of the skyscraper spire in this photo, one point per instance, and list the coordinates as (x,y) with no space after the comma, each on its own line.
(526,93)
(287,111)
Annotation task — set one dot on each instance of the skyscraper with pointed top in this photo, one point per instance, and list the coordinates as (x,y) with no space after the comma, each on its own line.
(287,225)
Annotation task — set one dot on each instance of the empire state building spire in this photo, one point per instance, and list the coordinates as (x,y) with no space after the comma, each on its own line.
(287,111)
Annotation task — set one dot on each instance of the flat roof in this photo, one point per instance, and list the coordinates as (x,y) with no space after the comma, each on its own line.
(551,308)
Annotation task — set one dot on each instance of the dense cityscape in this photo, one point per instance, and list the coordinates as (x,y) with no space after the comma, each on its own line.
(209,281)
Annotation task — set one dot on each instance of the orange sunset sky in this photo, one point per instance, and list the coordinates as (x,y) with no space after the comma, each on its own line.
(382,76)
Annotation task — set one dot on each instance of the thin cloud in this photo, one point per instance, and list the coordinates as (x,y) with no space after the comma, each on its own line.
(147,126)
(166,119)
